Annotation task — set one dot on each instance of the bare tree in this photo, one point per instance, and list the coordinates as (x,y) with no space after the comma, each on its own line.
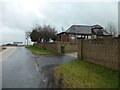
(112,30)
(45,33)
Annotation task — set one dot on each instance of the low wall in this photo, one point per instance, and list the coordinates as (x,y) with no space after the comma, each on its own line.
(100,51)
(56,46)
(40,45)
(70,46)
(49,46)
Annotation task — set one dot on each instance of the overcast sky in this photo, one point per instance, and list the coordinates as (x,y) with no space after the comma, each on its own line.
(18,16)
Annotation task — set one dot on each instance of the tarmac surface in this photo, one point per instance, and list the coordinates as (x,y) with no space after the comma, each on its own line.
(22,69)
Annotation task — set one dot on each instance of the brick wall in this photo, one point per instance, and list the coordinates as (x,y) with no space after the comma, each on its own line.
(99,51)
(56,46)
(49,46)
(40,45)
(70,46)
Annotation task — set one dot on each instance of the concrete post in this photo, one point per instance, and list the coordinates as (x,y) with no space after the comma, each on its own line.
(80,49)
(58,47)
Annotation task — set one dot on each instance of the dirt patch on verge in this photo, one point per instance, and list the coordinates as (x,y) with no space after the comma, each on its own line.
(50,81)
(47,77)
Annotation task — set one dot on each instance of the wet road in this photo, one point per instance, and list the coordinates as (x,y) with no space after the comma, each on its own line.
(22,69)
(19,70)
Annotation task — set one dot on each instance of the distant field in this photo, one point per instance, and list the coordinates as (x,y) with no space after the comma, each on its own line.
(81,74)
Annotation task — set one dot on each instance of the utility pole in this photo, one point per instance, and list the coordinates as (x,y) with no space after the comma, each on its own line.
(27,40)
(27,36)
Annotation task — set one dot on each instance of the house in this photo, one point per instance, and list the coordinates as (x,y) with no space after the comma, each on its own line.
(98,31)
(74,32)
(82,31)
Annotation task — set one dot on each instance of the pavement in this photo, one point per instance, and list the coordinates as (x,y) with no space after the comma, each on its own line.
(6,53)
(22,69)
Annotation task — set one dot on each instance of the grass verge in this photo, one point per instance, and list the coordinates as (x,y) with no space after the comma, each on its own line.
(81,74)
(40,51)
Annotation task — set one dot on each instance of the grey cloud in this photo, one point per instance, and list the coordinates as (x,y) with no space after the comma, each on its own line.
(18,19)
(81,13)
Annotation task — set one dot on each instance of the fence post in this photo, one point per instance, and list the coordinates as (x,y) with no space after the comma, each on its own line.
(58,47)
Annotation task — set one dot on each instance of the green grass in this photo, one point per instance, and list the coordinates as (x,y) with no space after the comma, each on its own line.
(81,74)
(40,51)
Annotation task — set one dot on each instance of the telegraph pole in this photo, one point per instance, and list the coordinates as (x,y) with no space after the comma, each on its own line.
(26,37)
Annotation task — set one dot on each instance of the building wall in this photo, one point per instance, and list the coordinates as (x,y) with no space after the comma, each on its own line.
(64,37)
(99,51)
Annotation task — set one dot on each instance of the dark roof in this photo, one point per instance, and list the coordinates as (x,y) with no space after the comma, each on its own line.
(73,33)
(96,27)
(98,31)
(79,29)
(84,29)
